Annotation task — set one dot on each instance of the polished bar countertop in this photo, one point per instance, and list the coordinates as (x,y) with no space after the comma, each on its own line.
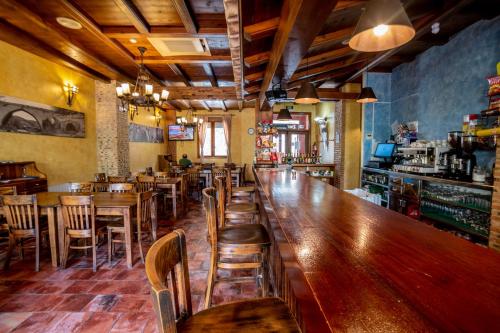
(374,270)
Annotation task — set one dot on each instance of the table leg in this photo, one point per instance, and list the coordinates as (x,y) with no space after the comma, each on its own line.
(128,236)
(52,235)
(174,200)
(60,230)
(154,217)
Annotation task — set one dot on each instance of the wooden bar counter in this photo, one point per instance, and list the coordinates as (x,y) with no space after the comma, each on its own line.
(344,264)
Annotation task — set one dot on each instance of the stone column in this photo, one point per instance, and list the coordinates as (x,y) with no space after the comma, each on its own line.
(112,131)
(494,241)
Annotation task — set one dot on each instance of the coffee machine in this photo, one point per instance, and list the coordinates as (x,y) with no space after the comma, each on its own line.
(469,145)
(460,159)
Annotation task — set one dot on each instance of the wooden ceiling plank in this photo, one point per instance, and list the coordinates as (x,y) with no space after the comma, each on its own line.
(163,31)
(232,11)
(329,67)
(422,26)
(257,76)
(201,93)
(224,106)
(261,29)
(322,76)
(185,15)
(134,15)
(257,59)
(326,56)
(16,11)
(211,75)
(341,5)
(327,94)
(332,37)
(181,74)
(192,59)
(25,41)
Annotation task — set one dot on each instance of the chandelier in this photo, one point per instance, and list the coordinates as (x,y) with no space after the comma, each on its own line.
(190,120)
(142,95)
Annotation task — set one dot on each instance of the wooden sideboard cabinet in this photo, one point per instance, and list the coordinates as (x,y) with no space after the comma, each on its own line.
(25,176)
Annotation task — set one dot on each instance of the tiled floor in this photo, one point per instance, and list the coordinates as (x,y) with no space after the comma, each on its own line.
(114,299)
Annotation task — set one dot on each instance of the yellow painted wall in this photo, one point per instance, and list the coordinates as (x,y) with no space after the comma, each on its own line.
(27,76)
(242,143)
(352,148)
(306,108)
(326,110)
(144,154)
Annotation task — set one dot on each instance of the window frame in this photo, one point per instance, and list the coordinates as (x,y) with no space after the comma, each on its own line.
(212,121)
(288,133)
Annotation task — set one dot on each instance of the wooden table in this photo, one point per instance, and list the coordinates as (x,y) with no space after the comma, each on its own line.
(207,176)
(349,265)
(170,184)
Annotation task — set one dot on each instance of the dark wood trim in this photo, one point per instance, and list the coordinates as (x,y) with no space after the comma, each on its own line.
(186,16)
(134,15)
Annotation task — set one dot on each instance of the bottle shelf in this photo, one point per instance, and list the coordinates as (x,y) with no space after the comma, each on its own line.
(373,183)
(451,222)
(456,204)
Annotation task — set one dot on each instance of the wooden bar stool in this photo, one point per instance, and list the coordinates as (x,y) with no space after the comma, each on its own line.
(78,214)
(143,224)
(168,275)
(249,242)
(21,212)
(240,193)
(234,211)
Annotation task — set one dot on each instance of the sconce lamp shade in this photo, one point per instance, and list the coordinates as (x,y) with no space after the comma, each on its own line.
(383,25)
(284,114)
(307,94)
(366,96)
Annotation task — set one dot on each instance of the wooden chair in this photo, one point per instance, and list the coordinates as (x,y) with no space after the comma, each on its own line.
(240,193)
(143,223)
(146,183)
(4,227)
(100,177)
(117,179)
(168,275)
(100,187)
(161,174)
(149,171)
(121,187)
(194,183)
(80,187)
(243,241)
(8,190)
(78,214)
(234,211)
(21,212)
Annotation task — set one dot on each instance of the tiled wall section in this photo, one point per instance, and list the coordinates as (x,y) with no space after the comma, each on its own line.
(339,144)
(112,132)
(495,210)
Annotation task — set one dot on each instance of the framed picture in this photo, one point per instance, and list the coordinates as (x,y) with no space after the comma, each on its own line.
(141,133)
(180,133)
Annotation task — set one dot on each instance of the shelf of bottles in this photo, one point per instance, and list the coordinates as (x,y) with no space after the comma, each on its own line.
(300,159)
(464,208)
(377,183)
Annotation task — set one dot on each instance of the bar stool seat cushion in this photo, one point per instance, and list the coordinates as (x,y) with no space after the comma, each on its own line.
(244,234)
(234,208)
(258,315)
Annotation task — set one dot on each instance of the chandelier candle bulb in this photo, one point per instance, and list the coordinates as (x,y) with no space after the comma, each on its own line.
(156,97)
(125,89)
(164,94)
(148,89)
(119,91)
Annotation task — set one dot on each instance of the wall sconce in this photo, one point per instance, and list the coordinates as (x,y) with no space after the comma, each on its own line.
(158,117)
(321,120)
(71,91)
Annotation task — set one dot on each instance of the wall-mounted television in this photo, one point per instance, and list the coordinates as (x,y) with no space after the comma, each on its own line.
(180,133)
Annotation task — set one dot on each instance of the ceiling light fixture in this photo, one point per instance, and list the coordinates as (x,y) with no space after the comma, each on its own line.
(69,23)
(133,40)
(307,93)
(366,96)
(383,25)
(143,95)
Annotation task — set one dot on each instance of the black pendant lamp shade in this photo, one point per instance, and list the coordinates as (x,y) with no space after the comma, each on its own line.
(366,96)
(383,25)
(284,114)
(307,94)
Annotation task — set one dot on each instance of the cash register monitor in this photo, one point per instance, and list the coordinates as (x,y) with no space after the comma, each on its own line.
(385,150)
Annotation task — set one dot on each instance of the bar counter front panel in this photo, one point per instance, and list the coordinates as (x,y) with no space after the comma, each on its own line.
(370,269)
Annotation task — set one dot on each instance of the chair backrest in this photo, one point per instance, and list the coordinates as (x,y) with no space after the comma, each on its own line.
(221,199)
(210,208)
(8,190)
(243,174)
(80,187)
(162,174)
(117,179)
(168,276)
(100,177)
(144,207)
(149,171)
(21,211)
(78,212)
(121,187)
(100,187)
(230,166)
(229,184)
(146,183)
(193,177)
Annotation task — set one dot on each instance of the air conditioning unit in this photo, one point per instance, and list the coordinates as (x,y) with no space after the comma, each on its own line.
(180,46)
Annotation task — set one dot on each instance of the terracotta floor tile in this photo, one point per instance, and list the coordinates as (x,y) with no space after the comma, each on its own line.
(97,322)
(101,303)
(31,303)
(74,303)
(40,322)
(70,322)
(9,320)
(78,287)
(131,303)
(132,322)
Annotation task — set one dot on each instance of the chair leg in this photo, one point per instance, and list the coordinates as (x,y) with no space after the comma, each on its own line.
(37,252)
(212,272)
(94,253)
(139,241)
(110,248)
(64,259)
(12,245)
(265,272)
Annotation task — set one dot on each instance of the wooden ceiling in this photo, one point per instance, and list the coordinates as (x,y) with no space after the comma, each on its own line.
(253,43)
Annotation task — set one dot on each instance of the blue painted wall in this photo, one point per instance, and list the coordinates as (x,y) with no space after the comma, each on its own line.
(439,87)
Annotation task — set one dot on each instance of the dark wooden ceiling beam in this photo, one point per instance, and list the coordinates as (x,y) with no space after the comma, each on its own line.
(294,37)
(422,26)
(201,93)
(163,31)
(328,94)
(17,14)
(134,15)
(211,75)
(332,37)
(323,76)
(186,17)
(261,29)
(257,59)
(193,59)
(232,11)
(329,67)
(341,5)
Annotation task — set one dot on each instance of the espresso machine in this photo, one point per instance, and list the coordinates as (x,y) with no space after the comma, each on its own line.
(460,159)
(469,145)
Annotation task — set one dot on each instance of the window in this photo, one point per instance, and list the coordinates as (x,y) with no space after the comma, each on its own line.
(294,137)
(215,141)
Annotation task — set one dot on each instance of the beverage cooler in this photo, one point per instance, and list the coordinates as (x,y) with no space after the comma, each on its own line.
(404,194)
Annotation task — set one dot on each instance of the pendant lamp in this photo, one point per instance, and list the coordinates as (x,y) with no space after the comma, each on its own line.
(383,25)
(284,114)
(366,96)
(307,94)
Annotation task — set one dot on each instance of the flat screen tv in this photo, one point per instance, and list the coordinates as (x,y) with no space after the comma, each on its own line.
(385,150)
(180,133)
